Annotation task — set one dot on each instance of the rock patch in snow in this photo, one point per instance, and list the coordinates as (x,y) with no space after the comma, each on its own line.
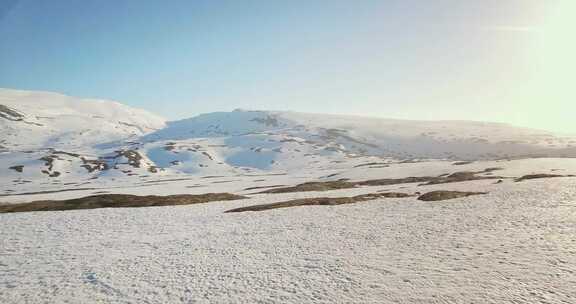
(118,201)
(321,201)
(446,195)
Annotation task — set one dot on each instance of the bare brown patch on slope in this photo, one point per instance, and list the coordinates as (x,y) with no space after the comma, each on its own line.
(395,181)
(263,187)
(463,177)
(313,186)
(542,175)
(320,201)
(118,201)
(446,195)
(425,180)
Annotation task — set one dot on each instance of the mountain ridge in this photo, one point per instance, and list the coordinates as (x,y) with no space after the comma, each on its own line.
(51,139)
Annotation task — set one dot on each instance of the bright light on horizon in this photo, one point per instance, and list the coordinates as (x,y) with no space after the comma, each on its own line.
(506,61)
(551,93)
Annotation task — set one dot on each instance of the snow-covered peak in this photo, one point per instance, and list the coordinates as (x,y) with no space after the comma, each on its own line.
(50,138)
(31,119)
(48,104)
(240,122)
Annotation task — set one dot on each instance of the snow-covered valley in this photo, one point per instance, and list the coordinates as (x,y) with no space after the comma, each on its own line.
(511,242)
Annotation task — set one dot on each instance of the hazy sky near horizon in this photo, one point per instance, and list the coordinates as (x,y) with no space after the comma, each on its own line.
(494,60)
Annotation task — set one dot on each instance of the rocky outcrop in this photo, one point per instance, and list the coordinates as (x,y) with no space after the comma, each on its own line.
(118,201)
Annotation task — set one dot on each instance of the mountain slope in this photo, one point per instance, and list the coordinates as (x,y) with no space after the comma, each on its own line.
(34,120)
(55,141)
(375,136)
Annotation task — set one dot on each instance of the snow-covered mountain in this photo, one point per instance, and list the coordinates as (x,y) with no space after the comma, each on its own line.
(50,140)
(403,139)
(36,120)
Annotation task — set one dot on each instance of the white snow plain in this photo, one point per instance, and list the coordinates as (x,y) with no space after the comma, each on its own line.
(516,244)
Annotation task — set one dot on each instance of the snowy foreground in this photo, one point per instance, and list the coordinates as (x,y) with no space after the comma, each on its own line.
(516,244)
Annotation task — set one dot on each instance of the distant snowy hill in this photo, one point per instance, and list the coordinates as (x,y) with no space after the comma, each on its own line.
(402,139)
(35,120)
(50,140)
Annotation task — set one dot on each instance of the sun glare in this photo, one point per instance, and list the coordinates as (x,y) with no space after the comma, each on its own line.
(548,99)
(555,46)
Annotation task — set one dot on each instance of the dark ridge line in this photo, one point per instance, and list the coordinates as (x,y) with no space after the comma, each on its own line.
(320,201)
(118,201)
(49,191)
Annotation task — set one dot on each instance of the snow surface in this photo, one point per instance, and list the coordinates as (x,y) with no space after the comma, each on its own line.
(55,120)
(515,244)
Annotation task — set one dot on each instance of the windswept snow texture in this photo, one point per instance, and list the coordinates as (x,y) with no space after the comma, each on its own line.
(513,245)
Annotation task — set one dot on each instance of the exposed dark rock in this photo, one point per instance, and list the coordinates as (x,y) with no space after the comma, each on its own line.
(426,180)
(313,186)
(170,146)
(395,181)
(10,114)
(330,175)
(269,121)
(51,174)
(263,187)
(118,201)
(208,155)
(542,175)
(94,165)
(18,168)
(321,201)
(463,177)
(371,164)
(66,153)
(134,158)
(49,161)
(446,195)
(492,169)
(45,192)
(461,163)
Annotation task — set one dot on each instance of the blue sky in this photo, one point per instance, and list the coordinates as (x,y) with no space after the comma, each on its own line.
(418,59)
